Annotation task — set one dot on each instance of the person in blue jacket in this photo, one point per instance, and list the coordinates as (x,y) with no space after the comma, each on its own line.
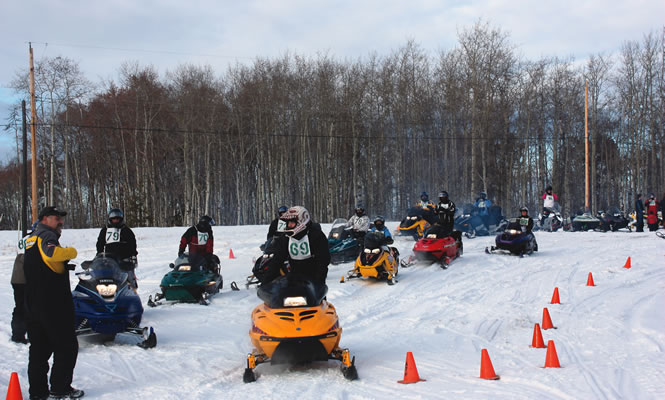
(483,205)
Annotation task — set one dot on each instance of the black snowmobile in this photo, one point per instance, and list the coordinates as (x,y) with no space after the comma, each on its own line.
(514,241)
(585,222)
(469,222)
(612,220)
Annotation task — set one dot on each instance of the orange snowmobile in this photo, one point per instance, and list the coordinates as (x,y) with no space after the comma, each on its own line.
(295,325)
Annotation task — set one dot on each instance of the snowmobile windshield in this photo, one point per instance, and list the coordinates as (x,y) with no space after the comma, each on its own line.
(415,212)
(374,240)
(194,262)
(280,292)
(104,268)
(337,229)
(615,212)
(467,209)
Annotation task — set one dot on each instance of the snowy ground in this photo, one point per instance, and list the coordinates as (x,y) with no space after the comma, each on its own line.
(610,338)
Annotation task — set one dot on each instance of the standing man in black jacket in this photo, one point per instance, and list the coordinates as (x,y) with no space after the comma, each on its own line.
(639,214)
(50,309)
(118,239)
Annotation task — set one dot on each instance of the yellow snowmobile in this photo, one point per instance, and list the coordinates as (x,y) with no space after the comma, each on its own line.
(376,260)
(295,325)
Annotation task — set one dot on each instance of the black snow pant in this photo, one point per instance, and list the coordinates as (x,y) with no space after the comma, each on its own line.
(19,327)
(653,227)
(49,336)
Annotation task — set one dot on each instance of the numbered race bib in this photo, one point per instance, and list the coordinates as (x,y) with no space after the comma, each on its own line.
(21,244)
(524,221)
(281,226)
(202,238)
(112,235)
(299,249)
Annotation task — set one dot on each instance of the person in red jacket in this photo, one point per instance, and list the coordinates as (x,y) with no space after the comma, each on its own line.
(199,241)
(652,212)
(549,199)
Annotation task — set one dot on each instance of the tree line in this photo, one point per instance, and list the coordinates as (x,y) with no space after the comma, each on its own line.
(329,134)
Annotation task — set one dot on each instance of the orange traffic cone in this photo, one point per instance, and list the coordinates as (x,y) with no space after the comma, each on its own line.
(555,296)
(627,264)
(341,279)
(486,368)
(14,389)
(547,321)
(537,341)
(551,360)
(231,256)
(589,281)
(410,370)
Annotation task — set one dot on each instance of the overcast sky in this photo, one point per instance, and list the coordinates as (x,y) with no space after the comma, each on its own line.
(101,34)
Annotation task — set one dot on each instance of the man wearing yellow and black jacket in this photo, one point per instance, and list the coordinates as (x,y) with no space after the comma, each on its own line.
(50,309)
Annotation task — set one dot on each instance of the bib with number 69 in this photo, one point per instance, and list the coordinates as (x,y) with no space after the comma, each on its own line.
(299,249)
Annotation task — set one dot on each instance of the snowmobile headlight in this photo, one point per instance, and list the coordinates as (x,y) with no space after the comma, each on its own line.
(414,218)
(513,231)
(295,301)
(376,251)
(335,235)
(367,251)
(85,277)
(212,283)
(185,268)
(431,236)
(107,290)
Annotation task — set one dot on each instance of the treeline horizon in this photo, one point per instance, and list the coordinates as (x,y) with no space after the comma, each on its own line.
(330,134)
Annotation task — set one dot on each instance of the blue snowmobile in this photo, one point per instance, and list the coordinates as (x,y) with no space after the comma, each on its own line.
(342,245)
(514,241)
(106,304)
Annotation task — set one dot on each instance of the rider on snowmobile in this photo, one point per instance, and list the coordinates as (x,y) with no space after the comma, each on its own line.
(526,222)
(199,241)
(304,246)
(380,226)
(118,239)
(277,226)
(548,202)
(446,211)
(358,224)
(483,205)
(425,203)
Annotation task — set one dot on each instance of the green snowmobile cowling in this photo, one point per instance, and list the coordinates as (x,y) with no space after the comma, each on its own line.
(191,281)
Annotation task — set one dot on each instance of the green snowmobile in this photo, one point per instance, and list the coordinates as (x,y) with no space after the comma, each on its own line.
(192,280)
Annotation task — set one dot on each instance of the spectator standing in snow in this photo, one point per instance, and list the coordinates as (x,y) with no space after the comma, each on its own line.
(652,212)
(549,199)
(639,214)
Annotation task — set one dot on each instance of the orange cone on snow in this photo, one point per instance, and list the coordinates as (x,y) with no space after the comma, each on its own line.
(537,341)
(410,370)
(551,360)
(555,296)
(627,264)
(14,389)
(486,368)
(231,254)
(589,281)
(341,279)
(547,321)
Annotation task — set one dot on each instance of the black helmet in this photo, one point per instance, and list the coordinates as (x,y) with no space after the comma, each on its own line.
(281,210)
(652,196)
(443,196)
(548,188)
(116,213)
(360,211)
(424,196)
(523,208)
(205,224)
(379,222)
(483,195)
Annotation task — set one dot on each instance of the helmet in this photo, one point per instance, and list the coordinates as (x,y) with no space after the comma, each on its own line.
(548,188)
(360,211)
(116,213)
(523,208)
(652,196)
(379,222)
(483,195)
(281,210)
(424,196)
(300,216)
(205,224)
(443,196)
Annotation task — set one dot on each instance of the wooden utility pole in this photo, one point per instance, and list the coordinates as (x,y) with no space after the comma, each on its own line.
(24,174)
(586,146)
(33,123)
